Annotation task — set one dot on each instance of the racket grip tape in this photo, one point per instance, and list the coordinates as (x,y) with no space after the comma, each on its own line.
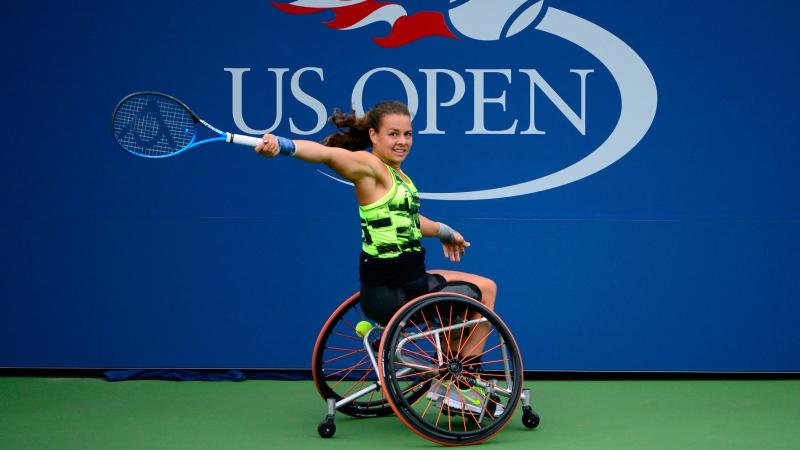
(241,139)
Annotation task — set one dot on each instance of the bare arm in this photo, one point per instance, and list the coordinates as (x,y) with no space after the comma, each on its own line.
(353,166)
(428,227)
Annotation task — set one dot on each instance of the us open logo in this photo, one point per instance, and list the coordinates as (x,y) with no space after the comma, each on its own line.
(487,21)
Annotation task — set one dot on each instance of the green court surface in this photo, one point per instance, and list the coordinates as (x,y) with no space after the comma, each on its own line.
(84,413)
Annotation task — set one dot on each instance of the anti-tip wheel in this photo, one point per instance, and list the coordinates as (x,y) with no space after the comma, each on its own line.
(326,428)
(530,418)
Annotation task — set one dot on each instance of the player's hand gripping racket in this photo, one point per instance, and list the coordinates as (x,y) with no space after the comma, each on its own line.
(155,125)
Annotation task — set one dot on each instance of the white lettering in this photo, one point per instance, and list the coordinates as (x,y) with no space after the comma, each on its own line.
(238,116)
(431,96)
(481,100)
(577,121)
(357,98)
(309,101)
(432,101)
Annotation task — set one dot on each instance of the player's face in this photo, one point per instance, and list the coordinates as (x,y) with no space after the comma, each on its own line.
(392,141)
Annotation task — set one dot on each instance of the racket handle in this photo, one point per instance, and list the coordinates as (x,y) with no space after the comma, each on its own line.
(241,139)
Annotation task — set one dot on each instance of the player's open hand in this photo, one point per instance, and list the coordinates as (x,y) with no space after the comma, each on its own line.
(454,249)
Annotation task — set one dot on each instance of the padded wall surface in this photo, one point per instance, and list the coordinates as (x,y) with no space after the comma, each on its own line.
(654,228)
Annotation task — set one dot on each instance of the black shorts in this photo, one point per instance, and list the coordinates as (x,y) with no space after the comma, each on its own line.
(381,302)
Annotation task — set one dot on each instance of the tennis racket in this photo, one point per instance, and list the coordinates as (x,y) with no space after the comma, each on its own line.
(156,125)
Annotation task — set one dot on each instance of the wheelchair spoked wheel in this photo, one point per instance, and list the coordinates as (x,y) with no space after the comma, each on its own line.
(342,367)
(434,341)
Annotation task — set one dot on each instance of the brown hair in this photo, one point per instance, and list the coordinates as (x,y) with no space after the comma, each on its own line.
(353,131)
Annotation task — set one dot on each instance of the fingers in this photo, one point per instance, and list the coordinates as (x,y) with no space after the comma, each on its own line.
(268,146)
(449,253)
(454,251)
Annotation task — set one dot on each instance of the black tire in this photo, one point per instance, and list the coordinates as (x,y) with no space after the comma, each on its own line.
(530,418)
(326,428)
(341,366)
(407,343)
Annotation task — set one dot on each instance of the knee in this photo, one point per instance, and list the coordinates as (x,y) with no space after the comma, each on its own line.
(488,292)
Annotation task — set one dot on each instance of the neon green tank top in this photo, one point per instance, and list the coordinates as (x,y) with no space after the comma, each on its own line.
(390,226)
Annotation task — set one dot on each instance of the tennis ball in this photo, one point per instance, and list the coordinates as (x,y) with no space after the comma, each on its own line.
(486,20)
(362,328)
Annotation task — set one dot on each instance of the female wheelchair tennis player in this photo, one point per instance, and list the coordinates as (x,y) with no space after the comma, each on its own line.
(444,362)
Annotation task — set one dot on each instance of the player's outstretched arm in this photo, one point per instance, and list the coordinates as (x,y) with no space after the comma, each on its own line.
(351,165)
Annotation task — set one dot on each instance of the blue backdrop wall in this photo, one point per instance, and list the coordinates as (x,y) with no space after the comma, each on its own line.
(656,228)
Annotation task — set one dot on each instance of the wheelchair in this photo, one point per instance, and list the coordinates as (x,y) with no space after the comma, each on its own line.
(418,367)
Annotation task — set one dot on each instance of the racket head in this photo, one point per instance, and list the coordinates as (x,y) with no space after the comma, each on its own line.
(154,125)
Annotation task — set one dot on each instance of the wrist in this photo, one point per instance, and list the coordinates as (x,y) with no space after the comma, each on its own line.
(286,147)
(445,233)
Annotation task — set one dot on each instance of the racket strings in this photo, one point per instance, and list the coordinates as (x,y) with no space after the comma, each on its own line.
(153,125)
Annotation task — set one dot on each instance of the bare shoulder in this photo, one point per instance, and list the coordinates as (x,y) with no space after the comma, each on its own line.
(377,168)
(368,159)
(366,156)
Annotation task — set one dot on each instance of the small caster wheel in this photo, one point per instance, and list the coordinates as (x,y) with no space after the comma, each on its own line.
(529,417)
(326,428)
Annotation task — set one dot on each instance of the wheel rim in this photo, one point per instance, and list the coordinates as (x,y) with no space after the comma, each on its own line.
(341,365)
(413,345)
